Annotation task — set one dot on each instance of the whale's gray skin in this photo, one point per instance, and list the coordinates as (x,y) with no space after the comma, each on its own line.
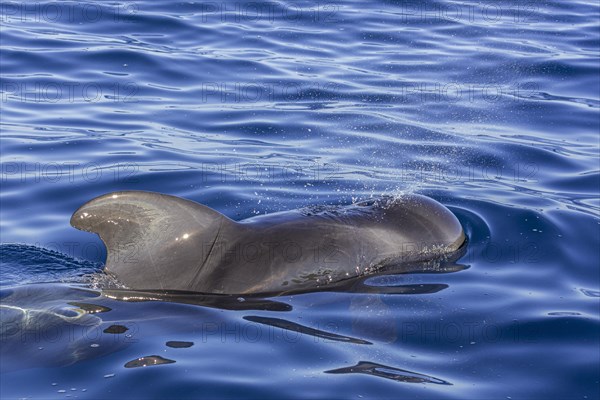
(157,241)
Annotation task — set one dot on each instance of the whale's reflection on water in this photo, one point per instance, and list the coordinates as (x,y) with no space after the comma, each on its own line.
(49,325)
(295,327)
(384,371)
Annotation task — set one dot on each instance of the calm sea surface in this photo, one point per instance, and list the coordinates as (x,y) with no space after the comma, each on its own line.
(264,106)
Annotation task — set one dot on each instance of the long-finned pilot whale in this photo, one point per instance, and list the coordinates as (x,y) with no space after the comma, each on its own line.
(162,242)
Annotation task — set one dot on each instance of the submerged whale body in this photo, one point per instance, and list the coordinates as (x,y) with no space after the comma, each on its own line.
(161,242)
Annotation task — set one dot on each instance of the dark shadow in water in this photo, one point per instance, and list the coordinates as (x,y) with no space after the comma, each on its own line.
(425,288)
(383,371)
(148,361)
(292,326)
(179,345)
(116,329)
(225,302)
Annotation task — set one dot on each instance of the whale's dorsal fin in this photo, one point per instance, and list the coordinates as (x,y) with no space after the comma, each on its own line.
(153,240)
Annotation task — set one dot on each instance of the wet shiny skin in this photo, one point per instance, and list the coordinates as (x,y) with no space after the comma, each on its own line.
(155,241)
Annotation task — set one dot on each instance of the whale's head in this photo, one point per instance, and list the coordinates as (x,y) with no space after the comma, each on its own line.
(151,237)
(410,228)
(428,227)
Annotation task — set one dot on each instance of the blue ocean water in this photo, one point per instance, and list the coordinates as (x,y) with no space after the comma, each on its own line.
(257,107)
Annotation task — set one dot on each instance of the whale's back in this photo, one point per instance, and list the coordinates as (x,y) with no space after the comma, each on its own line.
(311,248)
(156,241)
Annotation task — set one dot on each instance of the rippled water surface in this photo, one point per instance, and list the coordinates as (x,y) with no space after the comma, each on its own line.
(258,107)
